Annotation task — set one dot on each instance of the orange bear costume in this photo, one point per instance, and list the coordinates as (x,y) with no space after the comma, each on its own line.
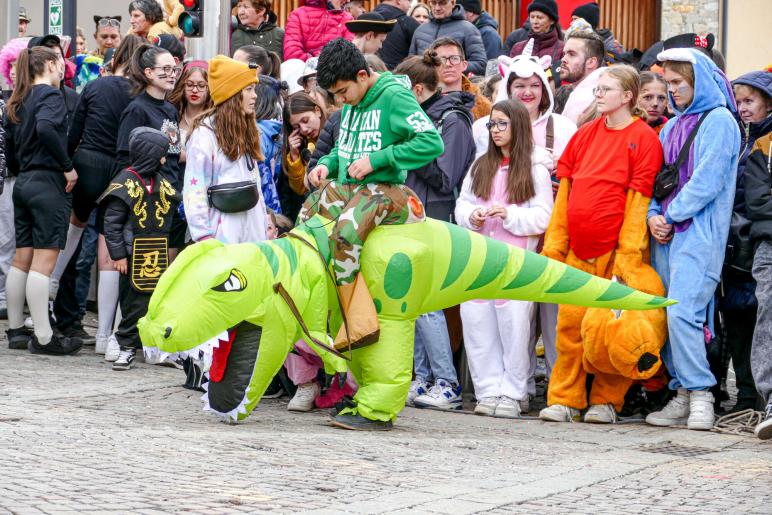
(598,225)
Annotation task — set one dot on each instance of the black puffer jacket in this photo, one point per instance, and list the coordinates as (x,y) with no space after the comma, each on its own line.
(326,140)
(436,183)
(146,148)
(396,46)
(758,189)
(455,27)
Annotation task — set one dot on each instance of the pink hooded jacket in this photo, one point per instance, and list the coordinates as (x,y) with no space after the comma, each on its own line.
(311,26)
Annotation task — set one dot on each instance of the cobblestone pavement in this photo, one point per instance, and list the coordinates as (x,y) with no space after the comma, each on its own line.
(76,436)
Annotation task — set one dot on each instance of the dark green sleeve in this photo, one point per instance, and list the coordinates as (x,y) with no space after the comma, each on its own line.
(419,143)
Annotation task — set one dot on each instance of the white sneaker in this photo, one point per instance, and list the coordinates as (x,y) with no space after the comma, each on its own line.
(417,387)
(113,350)
(763,429)
(507,408)
(601,414)
(701,414)
(675,412)
(28,323)
(486,406)
(442,395)
(101,343)
(304,397)
(559,413)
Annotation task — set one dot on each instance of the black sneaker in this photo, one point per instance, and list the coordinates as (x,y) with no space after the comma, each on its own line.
(764,428)
(360,423)
(18,339)
(125,359)
(58,346)
(76,331)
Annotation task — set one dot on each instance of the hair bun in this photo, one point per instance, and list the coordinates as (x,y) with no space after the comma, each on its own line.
(430,57)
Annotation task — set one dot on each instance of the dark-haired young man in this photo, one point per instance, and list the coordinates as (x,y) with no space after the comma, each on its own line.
(584,56)
(383,133)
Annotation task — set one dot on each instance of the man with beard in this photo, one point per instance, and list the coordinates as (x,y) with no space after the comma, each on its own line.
(582,63)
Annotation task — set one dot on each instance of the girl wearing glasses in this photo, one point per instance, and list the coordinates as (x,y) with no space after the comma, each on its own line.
(598,225)
(191,98)
(506,196)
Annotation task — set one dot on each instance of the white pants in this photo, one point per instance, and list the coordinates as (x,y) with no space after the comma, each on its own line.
(497,337)
(7,233)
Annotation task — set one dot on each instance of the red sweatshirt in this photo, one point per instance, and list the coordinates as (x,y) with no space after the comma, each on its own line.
(602,165)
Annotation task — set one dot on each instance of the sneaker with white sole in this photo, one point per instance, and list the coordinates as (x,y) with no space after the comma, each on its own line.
(601,414)
(125,359)
(417,387)
(303,399)
(560,413)
(442,395)
(701,412)
(525,404)
(101,343)
(486,406)
(507,408)
(675,412)
(113,349)
(763,429)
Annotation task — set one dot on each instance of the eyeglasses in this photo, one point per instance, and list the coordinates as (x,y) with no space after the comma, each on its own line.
(108,22)
(600,91)
(500,125)
(200,86)
(168,70)
(453,60)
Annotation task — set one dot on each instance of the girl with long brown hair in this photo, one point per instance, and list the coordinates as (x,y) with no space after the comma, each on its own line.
(190,97)
(506,196)
(36,148)
(223,153)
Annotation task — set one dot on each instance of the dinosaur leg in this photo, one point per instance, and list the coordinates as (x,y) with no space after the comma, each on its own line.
(383,372)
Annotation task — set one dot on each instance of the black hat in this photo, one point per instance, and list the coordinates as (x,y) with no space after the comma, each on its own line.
(691,40)
(172,44)
(371,21)
(548,7)
(49,40)
(471,6)
(590,12)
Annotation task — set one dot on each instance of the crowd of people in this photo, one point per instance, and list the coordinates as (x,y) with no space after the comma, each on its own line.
(557,141)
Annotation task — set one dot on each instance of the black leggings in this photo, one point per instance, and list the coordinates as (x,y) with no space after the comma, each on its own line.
(95,170)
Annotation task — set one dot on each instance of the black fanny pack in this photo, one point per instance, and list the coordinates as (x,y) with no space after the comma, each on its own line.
(668,178)
(233,197)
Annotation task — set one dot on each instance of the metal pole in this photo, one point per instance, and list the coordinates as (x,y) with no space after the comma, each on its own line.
(9,11)
(217,36)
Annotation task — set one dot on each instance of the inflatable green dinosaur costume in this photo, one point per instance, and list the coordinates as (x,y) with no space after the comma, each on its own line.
(409,269)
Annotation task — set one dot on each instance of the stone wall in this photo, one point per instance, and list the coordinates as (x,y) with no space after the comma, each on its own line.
(698,16)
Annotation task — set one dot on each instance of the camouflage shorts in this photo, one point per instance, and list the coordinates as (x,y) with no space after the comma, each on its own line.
(358,209)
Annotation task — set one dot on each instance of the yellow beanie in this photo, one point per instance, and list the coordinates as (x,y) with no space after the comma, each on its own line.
(228,77)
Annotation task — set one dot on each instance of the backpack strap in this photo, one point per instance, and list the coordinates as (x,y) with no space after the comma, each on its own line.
(462,112)
(550,140)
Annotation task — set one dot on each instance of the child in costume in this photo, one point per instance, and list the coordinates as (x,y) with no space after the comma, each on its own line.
(383,133)
(138,206)
(598,225)
(690,226)
(507,196)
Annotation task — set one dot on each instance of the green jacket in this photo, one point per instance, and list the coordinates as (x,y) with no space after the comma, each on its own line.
(268,36)
(390,127)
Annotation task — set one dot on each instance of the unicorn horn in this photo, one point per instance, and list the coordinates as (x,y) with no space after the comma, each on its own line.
(528,50)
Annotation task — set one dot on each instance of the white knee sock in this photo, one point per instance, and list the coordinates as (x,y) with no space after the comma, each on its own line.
(107,300)
(15,292)
(73,238)
(37,300)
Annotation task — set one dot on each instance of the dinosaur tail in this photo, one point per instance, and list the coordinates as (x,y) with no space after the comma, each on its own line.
(483,268)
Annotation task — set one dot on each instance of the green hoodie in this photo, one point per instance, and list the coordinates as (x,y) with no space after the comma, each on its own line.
(390,127)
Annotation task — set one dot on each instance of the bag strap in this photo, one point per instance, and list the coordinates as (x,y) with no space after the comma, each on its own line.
(284,294)
(684,153)
(550,141)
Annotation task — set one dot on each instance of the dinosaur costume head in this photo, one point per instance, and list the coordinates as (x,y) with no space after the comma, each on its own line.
(409,269)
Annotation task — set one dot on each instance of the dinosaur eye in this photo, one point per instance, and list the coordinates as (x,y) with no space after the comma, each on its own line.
(236,281)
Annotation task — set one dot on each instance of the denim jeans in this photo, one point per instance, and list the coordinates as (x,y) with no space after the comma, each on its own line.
(88,252)
(432,354)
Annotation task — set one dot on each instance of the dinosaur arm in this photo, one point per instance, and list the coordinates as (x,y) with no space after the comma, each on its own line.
(556,238)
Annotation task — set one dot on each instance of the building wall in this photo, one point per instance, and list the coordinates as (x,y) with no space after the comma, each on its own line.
(698,16)
(748,45)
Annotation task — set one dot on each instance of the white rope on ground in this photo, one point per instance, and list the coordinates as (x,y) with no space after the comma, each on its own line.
(738,423)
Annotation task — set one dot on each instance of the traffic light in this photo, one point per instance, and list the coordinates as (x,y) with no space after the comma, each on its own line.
(191,21)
